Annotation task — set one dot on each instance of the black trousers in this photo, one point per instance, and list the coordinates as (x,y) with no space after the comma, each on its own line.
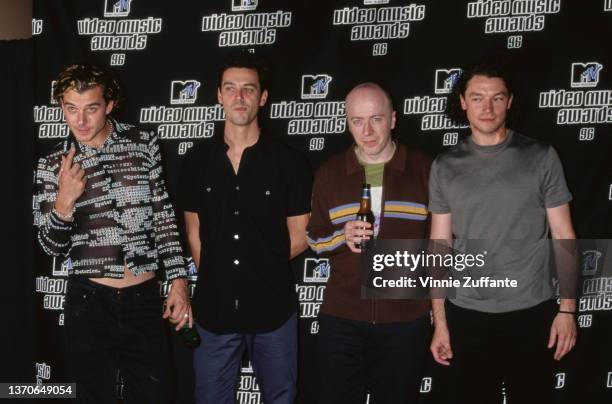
(108,329)
(491,348)
(384,359)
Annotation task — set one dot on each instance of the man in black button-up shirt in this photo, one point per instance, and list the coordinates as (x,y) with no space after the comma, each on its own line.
(101,202)
(246,199)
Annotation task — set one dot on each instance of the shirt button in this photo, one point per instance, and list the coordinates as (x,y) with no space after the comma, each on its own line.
(236,236)
(236,262)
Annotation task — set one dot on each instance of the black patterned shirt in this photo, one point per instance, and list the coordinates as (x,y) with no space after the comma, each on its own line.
(123,218)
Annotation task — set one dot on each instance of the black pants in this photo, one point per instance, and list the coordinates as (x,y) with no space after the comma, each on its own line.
(385,359)
(109,329)
(491,348)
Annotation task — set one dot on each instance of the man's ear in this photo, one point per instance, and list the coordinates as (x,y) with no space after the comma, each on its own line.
(263,98)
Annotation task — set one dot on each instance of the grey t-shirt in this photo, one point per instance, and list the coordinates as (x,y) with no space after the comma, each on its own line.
(499,195)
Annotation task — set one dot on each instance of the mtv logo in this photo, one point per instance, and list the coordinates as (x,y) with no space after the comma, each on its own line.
(184,92)
(372,2)
(117,8)
(446,79)
(590,261)
(316,270)
(61,268)
(585,74)
(244,5)
(315,87)
(53,102)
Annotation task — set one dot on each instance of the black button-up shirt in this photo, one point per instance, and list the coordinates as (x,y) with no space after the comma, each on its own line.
(245,283)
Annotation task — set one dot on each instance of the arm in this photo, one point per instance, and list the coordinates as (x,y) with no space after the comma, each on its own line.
(167,242)
(323,236)
(297,233)
(563,330)
(54,200)
(441,232)
(192,227)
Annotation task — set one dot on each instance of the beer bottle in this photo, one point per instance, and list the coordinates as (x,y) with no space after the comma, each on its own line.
(365,214)
(190,336)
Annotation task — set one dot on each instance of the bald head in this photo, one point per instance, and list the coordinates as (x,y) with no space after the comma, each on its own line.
(371,91)
(370,118)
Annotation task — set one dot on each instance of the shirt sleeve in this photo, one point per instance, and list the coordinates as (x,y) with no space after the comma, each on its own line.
(324,237)
(553,187)
(437,198)
(299,187)
(187,196)
(167,238)
(53,232)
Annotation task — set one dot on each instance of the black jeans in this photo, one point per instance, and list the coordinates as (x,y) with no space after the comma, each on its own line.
(491,348)
(384,359)
(108,329)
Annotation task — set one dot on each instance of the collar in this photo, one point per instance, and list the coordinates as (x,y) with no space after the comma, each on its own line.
(112,138)
(263,142)
(397,162)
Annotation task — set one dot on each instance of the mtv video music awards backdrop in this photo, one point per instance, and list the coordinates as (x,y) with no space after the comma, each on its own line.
(167,55)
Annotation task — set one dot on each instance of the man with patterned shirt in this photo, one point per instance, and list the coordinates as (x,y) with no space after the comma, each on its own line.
(101,202)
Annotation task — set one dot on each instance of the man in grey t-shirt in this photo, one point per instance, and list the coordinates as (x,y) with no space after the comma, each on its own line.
(502,192)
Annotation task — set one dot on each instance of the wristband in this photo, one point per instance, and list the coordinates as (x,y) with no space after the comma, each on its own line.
(567,312)
(67,218)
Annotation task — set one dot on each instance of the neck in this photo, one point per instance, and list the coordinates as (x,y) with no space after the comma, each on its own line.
(241,137)
(490,139)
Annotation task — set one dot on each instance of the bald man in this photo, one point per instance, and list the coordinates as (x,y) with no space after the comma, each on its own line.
(369,345)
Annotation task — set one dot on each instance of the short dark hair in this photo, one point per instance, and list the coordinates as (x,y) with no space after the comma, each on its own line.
(247,60)
(81,77)
(487,69)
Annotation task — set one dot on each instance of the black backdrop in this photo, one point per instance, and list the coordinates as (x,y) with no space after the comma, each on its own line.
(167,54)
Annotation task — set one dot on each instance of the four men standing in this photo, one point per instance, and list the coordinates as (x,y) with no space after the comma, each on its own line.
(101,201)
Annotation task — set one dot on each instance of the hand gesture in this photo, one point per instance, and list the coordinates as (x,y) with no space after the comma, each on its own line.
(71,184)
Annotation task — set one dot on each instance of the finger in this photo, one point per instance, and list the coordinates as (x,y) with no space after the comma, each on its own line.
(552,338)
(63,162)
(190,318)
(69,158)
(559,352)
(182,323)
(75,168)
(167,311)
(352,246)
(80,174)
